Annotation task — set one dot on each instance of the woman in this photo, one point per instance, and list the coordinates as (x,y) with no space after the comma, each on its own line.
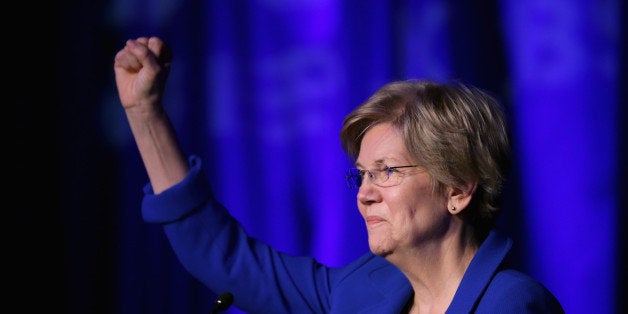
(430,161)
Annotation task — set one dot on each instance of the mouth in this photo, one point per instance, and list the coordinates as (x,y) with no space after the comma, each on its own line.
(373,220)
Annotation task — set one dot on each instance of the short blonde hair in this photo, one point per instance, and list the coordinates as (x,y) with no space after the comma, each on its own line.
(457,132)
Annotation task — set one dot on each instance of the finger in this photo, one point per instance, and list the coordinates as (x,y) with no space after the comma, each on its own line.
(142,54)
(126,60)
(142,40)
(160,49)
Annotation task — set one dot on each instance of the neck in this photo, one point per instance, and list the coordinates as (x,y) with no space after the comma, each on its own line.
(435,269)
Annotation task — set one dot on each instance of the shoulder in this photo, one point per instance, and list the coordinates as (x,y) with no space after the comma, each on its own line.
(367,267)
(370,284)
(368,274)
(513,291)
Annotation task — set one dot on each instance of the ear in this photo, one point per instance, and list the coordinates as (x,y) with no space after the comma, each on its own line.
(459,198)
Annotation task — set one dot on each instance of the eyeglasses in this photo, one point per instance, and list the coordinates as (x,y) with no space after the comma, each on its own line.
(388,176)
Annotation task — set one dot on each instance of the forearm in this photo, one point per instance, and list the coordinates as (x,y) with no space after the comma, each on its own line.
(159,148)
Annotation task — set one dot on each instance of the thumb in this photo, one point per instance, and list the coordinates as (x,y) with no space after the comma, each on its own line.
(161,50)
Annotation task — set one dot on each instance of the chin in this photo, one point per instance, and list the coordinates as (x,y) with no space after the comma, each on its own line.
(379,248)
(381,253)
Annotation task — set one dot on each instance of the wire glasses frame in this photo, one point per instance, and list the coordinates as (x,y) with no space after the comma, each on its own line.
(385,177)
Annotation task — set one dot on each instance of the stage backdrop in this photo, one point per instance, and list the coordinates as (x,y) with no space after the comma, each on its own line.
(259,90)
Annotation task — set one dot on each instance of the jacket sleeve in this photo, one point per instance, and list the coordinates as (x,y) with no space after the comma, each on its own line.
(215,249)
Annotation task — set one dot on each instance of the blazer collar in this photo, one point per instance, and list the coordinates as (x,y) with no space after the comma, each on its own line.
(396,289)
(481,270)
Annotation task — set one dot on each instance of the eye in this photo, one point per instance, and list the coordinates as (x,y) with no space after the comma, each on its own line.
(390,170)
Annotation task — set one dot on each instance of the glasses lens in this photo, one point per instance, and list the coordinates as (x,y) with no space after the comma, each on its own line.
(387,176)
(354,178)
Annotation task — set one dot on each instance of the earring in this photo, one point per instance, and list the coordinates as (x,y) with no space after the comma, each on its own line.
(453,210)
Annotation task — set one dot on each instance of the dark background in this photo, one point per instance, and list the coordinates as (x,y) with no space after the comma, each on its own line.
(76,243)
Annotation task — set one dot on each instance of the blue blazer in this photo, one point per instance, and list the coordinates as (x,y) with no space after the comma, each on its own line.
(215,249)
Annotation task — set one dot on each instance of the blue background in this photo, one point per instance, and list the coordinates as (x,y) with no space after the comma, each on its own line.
(259,90)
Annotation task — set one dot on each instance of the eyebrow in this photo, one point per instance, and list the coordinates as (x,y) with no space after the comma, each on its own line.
(378,162)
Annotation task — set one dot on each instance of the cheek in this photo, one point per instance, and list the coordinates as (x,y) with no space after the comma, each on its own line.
(402,206)
(417,203)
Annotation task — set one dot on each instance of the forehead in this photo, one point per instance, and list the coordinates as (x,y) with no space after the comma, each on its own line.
(382,144)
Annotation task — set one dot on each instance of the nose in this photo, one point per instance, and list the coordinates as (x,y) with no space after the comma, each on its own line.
(368,193)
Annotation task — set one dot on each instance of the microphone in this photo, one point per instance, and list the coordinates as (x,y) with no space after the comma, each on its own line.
(223,302)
